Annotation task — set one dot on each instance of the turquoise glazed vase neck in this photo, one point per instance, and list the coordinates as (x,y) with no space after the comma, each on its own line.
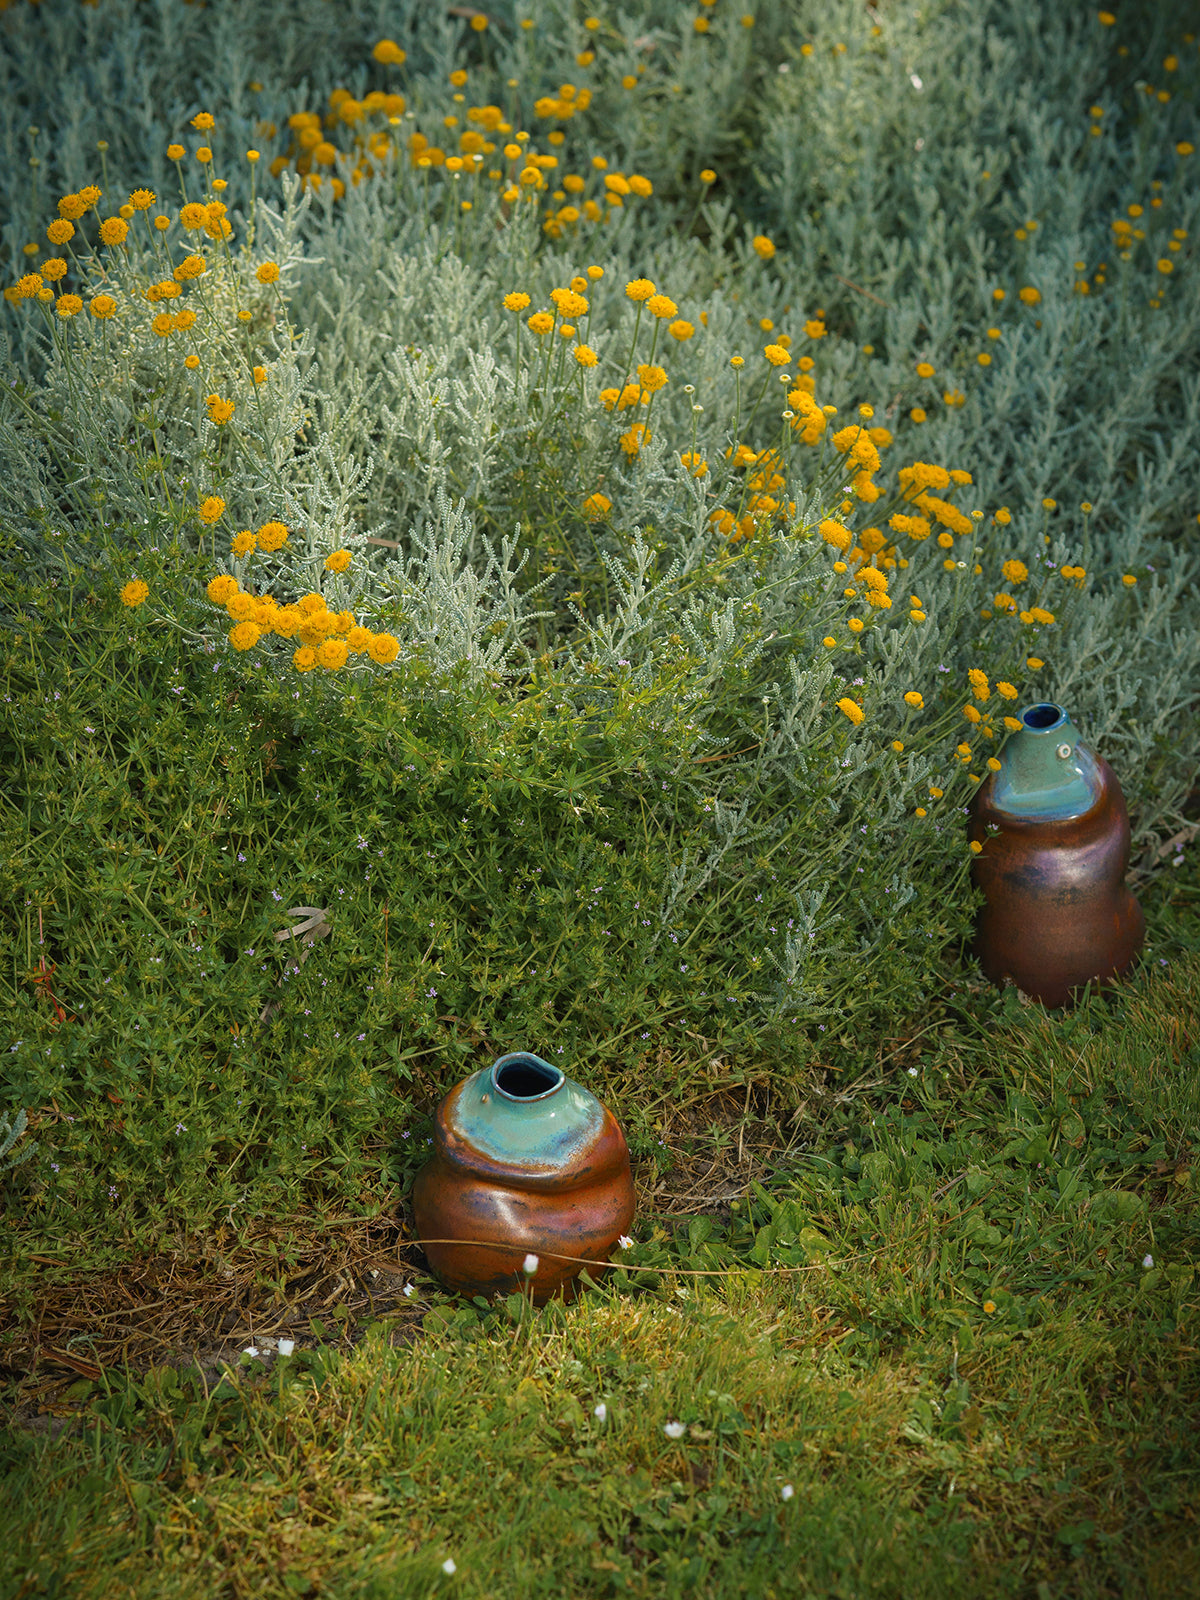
(1045,770)
(524,1114)
(1052,844)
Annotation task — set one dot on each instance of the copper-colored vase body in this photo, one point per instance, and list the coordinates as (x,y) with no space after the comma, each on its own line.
(1055,836)
(529,1163)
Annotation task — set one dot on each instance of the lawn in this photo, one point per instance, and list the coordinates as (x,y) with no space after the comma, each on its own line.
(407,541)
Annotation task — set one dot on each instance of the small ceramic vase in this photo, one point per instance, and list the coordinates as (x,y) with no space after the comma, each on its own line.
(1055,836)
(531,1164)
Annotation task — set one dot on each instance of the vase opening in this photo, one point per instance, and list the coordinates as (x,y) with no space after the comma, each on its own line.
(526,1078)
(1039,718)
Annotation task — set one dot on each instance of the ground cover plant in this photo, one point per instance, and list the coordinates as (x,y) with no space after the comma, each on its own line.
(432,627)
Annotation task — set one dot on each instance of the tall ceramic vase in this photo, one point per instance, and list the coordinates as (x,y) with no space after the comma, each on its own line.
(1054,833)
(525,1163)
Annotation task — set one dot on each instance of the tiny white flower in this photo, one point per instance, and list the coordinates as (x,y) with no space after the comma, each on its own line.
(600,1412)
(286,1346)
(625,1242)
(1147,1261)
(250,1350)
(448,1566)
(673,1430)
(530,1264)
(786,1492)
(912,1072)
(409,1290)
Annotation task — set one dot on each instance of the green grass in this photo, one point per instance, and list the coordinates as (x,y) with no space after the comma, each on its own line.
(934,1322)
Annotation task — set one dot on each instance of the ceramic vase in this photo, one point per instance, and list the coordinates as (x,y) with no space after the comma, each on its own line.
(1054,833)
(525,1162)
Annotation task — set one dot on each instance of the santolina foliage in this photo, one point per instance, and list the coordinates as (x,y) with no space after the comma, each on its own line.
(461,404)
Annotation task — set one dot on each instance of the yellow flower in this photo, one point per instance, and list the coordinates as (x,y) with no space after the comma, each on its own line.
(815,328)
(245,635)
(219,410)
(190,267)
(384,648)
(540,322)
(694,462)
(244,543)
(585,355)
(917,414)
(389,54)
(762,245)
(990,1305)
(1185,148)
(652,378)
(921,812)
(979,683)
(829,642)
(917,615)
(640,185)
(661,305)
(1165,266)
(72,207)
(1129,580)
(134,592)
(103,306)
(971,714)
(776,355)
(681,329)
(1015,571)
(221,589)
(203,155)
(897,745)
(1012,724)
(925,370)
(53,269)
(1039,614)
(114,230)
(914,699)
(60,231)
(851,708)
(304,659)
(338,560)
(516,301)
(268,272)
(595,273)
(596,507)
(737,362)
(272,536)
(1006,690)
(1029,296)
(204,120)
(993,764)
(634,438)
(569,303)
(259,374)
(640,289)
(964,750)
(835,534)
(212,508)
(856,625)
(68,305)
(193,216)
(190,362)
(479,22)
(332,654)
